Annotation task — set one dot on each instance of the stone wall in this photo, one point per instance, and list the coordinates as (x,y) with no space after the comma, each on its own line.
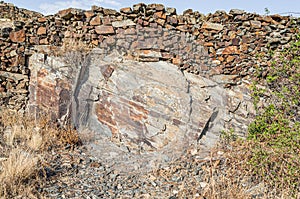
(225,47)
(145,78)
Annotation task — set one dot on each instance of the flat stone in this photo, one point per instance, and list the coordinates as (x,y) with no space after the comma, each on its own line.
(225,79)
(109,12)
(212,26)
(124,23)
(230,59)
(146,103)
(255,24)
(160,14)
(5,23)
(149,54)
(147,108)
(89,14)
(127,10)
(236,12)
(171,11)
(157,7)
(44,41)
(160,22)
(104,30)
(183,28)
(66,13)
(138,7)
(34,40)
(16,77)
(188,12)
(106,20)
(42,19)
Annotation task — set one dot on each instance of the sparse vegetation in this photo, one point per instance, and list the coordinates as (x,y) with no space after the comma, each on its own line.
(24,142)
(269,160)
(275,134)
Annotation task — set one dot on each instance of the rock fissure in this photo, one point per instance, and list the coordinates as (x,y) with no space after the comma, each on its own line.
(190,104)
(80,79)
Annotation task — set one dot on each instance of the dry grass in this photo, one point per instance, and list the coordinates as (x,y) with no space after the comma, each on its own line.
(24,142)
(226,173)
(231,175)
(19,167)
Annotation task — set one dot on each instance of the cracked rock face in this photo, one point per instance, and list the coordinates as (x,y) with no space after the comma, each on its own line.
(149,107)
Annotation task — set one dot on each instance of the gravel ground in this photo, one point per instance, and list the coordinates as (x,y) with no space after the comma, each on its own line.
(77,174)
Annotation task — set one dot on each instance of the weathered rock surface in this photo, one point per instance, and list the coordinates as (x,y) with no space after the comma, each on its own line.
(149,108)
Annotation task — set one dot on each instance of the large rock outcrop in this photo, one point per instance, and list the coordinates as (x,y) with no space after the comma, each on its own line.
(141,107)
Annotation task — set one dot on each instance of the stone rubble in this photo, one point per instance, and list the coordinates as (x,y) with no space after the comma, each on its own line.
(75,173)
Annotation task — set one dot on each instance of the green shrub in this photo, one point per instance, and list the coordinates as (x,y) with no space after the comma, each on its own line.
(275,132)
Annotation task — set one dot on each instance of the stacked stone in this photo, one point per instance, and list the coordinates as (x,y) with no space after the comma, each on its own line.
(216,44)
(9,11)
(14,74)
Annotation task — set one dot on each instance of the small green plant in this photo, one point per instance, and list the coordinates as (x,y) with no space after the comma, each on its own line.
(228,136)
(267,11)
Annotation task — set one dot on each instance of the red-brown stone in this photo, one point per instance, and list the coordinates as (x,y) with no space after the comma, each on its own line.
(104,30)
(44,41)
(127,10)
(66,14)
(209,44)
(18,36)
(42,19)
(41,31)
(160,15)
(231,50)
(89,14)
(95,21)
(230,59)
(176,61)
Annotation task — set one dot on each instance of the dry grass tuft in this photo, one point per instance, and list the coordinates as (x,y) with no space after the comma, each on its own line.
(35,141)
(20,166)
(24,141)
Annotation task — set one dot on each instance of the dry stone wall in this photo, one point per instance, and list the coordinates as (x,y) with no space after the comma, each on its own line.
(220,45)
(152,32)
